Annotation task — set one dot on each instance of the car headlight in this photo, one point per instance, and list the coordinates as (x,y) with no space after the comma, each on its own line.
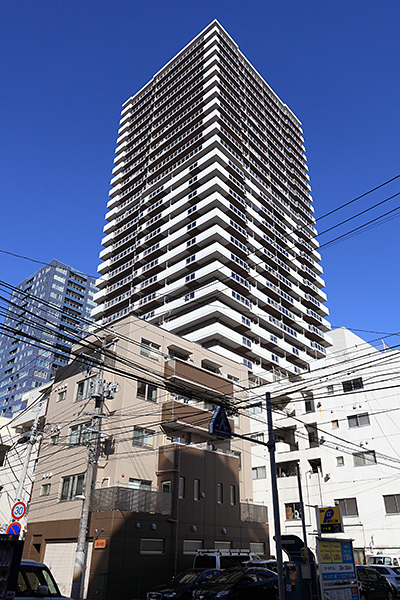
(222,594)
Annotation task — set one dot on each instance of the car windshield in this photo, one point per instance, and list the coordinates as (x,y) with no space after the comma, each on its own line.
(227,577)
(205,561)
(186,577)
(51,584)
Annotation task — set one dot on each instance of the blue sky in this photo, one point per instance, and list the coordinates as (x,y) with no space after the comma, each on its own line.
(67,66)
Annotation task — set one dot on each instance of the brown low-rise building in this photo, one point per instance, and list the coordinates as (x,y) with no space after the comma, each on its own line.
(163,486)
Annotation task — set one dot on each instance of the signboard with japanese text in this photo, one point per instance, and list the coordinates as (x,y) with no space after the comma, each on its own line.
(338,577)
(336,561)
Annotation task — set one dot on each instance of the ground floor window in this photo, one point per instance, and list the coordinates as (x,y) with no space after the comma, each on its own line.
(191,546)
(151,546)
(257,547)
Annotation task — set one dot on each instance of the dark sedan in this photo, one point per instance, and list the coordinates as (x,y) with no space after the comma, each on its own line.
(240,584)
(373,586)
(182,585)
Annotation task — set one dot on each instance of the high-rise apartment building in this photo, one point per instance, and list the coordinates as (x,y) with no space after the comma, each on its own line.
(210,230)
(46,314)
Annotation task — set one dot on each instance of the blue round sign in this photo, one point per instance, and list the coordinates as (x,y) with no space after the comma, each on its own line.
(14,528)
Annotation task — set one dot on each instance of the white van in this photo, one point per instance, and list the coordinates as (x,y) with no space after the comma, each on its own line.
(223,559)
(389,560)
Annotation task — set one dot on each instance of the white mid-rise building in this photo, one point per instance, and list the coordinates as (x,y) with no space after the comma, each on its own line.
(340,424)
(210,230)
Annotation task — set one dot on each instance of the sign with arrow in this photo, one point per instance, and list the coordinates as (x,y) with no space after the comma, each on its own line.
(219,424)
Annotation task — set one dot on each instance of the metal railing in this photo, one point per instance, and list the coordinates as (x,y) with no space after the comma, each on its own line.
(253,513)
(119,498)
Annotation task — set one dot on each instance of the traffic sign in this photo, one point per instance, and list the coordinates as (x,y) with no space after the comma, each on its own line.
(219,424)
(18,510)
(329,520)
(14,528)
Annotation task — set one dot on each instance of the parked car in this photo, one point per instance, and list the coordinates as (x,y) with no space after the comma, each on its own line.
(182,585)
(373,585)
(392,575)
(36,581)
(241,584)
(389,560)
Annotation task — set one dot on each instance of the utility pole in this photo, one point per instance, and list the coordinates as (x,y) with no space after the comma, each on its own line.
(99,392)
(275,499)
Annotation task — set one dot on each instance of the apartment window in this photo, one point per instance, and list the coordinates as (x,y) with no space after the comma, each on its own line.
(147,391)
(348,507)
(239,457)
(196,490)
(257,436)
(353,384)
(312,435)
(61,395)
(364,458)
(3,452)
(148,546)
(315,464)
(335,424)
(358,420)
(235,382)
(181,487)
(83,389)
(139,484)
(55,439)
(255,409)
(72,486)
(45,491)
(191,546)
(220,493)
(149,349)
(309,402)
(339,461)
(143,437)
(259,473)
(392,504)
(79,434)
(166,487)
(292,511)
(330,389)
(232,495)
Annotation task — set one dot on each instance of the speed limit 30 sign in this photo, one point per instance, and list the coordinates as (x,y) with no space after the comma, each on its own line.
(18,510)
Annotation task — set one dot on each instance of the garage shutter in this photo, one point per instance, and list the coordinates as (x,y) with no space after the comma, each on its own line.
(60,558)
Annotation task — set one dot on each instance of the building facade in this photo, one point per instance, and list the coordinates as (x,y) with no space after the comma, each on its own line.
(47,312)
(14,448)
(163,485)
(210,231)
(340,425)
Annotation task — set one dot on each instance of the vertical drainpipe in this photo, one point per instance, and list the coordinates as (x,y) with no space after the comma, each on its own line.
(178,474)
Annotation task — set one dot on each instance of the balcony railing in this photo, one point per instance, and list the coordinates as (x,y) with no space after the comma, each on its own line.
(253,513)
(119,498)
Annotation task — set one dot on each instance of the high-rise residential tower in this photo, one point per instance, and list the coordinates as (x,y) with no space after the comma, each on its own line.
(46,314)
(210,230)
